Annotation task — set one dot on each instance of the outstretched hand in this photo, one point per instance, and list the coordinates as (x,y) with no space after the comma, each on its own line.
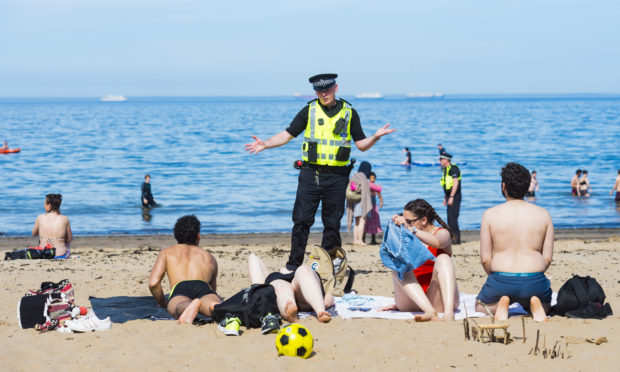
(383,131)
(255,147)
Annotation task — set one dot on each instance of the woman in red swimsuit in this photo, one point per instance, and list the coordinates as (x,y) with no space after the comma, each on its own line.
(430,288)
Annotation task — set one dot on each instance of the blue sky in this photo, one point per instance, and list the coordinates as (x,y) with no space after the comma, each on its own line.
(78,48)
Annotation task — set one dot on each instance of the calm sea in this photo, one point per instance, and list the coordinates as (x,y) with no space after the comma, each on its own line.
(96,154)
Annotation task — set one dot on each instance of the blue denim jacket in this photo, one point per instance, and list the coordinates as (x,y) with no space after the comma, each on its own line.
(401,251)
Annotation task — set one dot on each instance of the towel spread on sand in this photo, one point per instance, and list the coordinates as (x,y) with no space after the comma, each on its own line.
(122,309)
(356,307)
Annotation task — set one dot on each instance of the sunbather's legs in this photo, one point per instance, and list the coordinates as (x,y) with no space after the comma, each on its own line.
(538,310)
(184,309)
(285,298)
(442,291)
(307,288)
(409,296)
(208,302)
(501,308)
(257,269)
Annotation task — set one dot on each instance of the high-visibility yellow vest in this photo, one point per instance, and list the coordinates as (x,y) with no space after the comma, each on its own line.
(321,145)
(447,181)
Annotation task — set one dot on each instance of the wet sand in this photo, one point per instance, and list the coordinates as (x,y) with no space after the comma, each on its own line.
(120,265)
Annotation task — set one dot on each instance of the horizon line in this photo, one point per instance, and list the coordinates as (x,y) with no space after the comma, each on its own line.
(302,95)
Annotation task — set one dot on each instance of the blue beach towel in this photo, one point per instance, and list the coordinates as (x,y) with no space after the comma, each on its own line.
(401,251)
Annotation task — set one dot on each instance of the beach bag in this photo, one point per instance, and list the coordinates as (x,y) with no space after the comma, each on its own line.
(353,196)
(582,297)
(250,305)
(44,308)
(332,269)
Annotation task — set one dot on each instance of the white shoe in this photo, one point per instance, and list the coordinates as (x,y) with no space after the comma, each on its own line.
(64,329)
(89,323)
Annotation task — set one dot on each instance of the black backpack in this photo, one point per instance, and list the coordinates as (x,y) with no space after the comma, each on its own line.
(31,254)
(250,305)
(582,297)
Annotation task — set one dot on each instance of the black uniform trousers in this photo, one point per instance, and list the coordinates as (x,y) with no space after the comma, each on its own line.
(453,217)
(313,187)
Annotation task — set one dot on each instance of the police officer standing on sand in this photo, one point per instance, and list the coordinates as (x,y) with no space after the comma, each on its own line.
(329,124)
(451,184)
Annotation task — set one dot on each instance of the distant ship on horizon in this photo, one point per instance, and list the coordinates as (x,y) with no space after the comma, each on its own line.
(113,98)
(425,95)
(305,97)
(369,95)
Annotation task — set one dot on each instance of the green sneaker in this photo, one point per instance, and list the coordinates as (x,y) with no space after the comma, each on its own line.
(230,325)
(270,323)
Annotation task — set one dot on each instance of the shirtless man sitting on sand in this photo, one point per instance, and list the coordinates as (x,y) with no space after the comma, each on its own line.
(53,228)
(516,248)
(192,274)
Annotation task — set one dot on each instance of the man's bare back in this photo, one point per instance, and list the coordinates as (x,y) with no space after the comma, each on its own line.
(189,262)
(53,228)
(516,237)
(516,248)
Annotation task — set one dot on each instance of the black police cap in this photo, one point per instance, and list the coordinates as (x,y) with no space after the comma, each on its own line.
(323,81)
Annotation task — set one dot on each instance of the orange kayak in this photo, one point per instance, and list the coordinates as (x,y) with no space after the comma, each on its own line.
(9,151)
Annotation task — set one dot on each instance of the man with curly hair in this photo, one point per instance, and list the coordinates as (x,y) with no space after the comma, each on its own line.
(516,248)
(192,274)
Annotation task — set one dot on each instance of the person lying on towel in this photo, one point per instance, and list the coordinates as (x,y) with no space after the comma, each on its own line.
(299,290)
(192,274)
(431,287)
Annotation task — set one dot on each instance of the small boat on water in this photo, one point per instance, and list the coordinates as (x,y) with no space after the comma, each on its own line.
(10,151)
(425,95)
(369,95)
(113,98)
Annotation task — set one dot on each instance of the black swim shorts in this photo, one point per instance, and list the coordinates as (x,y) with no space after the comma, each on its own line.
(191,289)
(279,276)
(289,278)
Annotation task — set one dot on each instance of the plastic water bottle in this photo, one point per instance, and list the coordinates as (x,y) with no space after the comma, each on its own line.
(336,262)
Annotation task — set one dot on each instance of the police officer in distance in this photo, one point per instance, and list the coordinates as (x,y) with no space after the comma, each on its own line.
(451,184)
(330,125)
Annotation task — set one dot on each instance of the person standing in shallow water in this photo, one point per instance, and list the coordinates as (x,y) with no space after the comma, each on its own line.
(531,191)
(616,188)
(407,160)
(147,197)
(329,126)
(574,183)
(584,184)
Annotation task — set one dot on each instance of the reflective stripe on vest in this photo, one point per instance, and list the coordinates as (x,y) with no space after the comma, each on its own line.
(327,142)
(447,181)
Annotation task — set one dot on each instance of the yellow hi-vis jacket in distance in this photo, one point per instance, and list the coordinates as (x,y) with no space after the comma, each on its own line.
(327,141)
(447,181)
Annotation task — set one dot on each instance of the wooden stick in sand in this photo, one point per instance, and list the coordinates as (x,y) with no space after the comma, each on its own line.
(523,326)
(466,323)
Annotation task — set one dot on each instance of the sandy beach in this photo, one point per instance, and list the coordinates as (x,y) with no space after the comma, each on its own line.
(119,266)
